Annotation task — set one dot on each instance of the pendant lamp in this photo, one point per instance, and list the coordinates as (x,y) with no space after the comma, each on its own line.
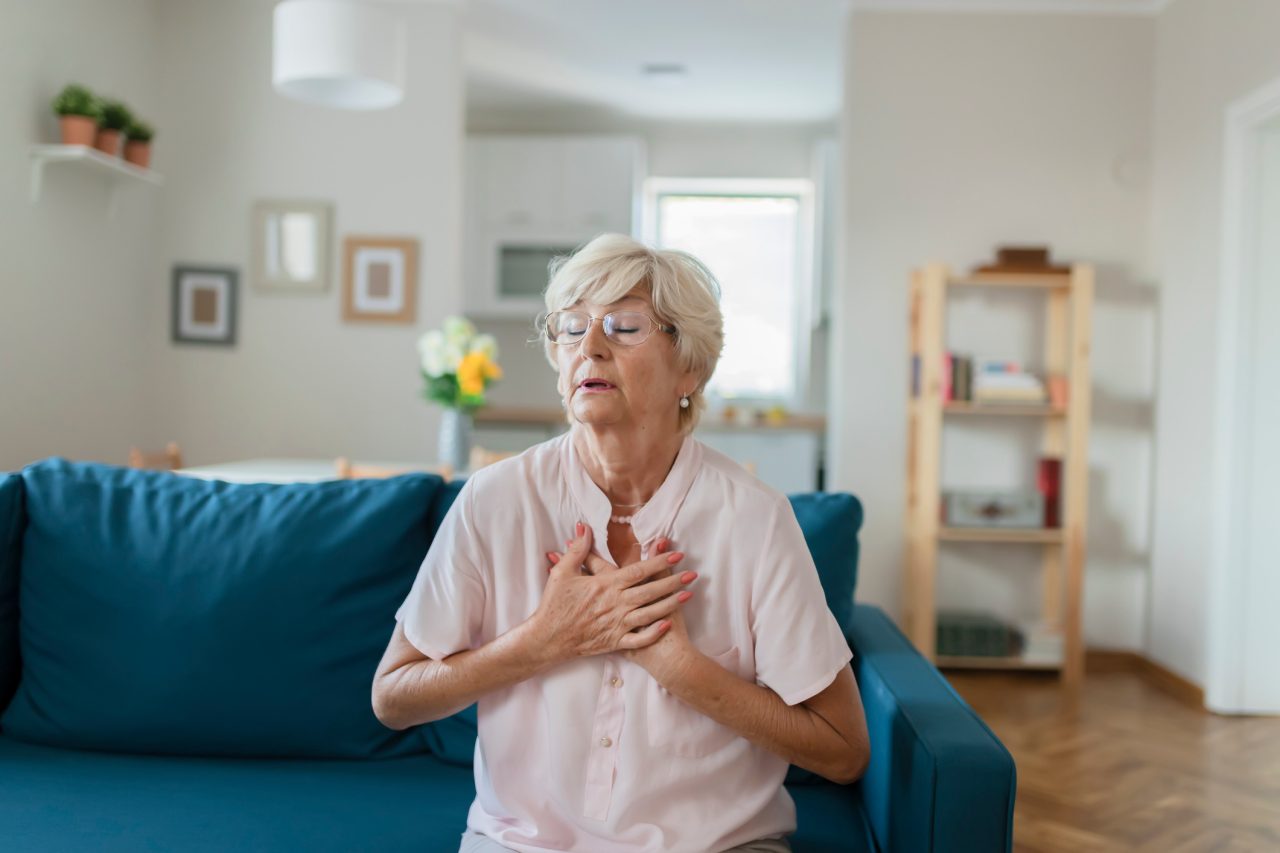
(345,54)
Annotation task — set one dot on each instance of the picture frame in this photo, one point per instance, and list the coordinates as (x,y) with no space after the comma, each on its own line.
(290,245)
(204,304)
(380,279)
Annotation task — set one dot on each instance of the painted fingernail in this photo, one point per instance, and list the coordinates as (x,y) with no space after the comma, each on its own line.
(685,596)
(578,528)
(675,558)
(688,577)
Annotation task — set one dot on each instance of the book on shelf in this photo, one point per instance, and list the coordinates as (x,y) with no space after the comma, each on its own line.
(1049,484)
(969,634)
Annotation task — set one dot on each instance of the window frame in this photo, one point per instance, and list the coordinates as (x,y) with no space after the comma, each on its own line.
(802,190)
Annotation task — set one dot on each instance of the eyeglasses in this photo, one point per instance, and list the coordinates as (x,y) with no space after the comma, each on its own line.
(628,328)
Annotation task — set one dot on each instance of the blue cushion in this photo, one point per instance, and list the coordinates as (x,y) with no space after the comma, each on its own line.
(53,800)
(169,614)
(831,521)
(12,522)
(57,800)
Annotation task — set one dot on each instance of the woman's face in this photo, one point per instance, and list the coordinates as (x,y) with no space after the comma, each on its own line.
(646,382)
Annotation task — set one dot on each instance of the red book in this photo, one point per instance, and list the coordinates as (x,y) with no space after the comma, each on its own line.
(1050,485)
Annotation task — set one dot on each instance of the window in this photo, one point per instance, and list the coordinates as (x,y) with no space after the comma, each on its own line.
(756,236)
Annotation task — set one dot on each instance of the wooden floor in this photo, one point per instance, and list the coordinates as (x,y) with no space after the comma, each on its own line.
(1127,767)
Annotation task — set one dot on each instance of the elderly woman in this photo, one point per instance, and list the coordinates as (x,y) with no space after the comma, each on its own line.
(637,616)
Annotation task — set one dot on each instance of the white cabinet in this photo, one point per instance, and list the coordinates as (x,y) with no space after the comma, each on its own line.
(786,459)
(532,198)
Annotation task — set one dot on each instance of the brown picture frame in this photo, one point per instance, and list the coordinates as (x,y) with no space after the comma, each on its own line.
(379,279)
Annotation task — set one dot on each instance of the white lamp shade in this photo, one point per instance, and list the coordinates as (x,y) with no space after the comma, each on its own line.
(338,53)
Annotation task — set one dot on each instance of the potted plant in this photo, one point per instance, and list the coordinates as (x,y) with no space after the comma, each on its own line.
(137,145)
(115,118)
(458,365)
(78,112)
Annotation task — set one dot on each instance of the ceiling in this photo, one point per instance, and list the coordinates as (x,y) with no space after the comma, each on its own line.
(745,60)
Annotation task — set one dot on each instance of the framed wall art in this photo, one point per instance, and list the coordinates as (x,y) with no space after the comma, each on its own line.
(290,246)
(204,304)
(380,279)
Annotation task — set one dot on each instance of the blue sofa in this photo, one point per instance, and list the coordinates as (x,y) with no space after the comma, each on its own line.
(185,665)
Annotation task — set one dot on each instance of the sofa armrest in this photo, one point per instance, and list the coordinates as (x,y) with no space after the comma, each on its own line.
(938,778)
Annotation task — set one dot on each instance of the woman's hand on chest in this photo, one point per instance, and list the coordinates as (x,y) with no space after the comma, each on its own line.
(590,606)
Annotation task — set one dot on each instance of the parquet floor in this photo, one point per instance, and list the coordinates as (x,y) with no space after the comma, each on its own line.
(1124,766)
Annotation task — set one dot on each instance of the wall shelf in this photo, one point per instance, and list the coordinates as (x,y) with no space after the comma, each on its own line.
(1000,410)
(1046,536)
(89,160)
(955,662)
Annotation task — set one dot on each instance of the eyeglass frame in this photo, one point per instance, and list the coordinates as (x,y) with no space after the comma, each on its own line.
(591,318)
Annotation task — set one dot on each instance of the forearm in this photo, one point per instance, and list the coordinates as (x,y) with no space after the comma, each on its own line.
(793,732)
(428,690)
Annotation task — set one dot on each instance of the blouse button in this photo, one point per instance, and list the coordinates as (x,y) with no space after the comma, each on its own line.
(604,741)
(615,681)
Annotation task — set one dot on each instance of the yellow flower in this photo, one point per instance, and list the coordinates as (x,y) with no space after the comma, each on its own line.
(473,370)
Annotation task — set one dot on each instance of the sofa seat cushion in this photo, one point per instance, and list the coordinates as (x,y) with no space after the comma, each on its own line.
(53,800)
(166,614)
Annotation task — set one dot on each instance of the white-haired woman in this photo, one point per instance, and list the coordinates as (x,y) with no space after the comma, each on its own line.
(643,688)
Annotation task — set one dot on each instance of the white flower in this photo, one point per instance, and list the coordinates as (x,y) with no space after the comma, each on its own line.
(431,352)
(453,354)
(458,330)
(487,345)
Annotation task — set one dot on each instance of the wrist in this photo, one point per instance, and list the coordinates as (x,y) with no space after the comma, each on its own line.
(538,645)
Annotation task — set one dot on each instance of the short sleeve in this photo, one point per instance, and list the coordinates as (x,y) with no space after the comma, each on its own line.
(444,611)
(799,647)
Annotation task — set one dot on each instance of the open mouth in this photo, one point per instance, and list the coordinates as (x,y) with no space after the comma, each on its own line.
(596,385)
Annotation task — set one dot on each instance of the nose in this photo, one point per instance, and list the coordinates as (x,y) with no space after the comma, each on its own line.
(594,343)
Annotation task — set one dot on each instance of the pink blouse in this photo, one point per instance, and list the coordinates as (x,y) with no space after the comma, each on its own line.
(594,755)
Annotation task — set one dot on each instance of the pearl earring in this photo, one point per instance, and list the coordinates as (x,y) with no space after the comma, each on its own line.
(684,402)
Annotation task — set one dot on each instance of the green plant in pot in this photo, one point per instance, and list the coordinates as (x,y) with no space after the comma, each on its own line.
(137,146)
(78,111)
(115,118)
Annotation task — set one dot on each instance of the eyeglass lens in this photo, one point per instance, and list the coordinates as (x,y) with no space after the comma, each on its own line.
(624,327)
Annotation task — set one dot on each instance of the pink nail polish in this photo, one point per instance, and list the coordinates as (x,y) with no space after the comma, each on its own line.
(685,596)
(688,577)
(675,558)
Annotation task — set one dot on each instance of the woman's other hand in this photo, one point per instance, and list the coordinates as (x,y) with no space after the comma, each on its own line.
(591,607)
(673,649)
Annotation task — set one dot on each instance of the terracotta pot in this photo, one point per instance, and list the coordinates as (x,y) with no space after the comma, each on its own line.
(138,153)
(77,130)
(108,142)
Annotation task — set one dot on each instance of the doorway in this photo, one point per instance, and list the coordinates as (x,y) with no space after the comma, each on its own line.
(1245,587)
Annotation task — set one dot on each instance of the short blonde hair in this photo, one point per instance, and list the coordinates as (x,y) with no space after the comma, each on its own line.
(684,293)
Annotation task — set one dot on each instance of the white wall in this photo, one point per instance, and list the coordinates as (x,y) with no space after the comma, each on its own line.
(300,381)
(1209,53)
(963,132)
(73,371)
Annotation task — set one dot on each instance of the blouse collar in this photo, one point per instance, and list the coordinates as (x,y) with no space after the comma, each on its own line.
(653,519)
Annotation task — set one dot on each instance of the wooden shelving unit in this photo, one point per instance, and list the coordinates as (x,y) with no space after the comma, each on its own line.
(1065,433)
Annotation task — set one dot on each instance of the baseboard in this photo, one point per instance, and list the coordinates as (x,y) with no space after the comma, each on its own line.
(1114,660)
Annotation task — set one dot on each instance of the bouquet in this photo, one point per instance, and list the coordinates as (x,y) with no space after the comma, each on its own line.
(458,365)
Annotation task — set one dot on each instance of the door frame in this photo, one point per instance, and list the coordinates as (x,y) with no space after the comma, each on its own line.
(1230,579)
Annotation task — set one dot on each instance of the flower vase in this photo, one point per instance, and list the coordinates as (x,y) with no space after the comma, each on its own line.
(455,439)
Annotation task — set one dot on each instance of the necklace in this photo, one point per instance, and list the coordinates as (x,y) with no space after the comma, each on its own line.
(624,519)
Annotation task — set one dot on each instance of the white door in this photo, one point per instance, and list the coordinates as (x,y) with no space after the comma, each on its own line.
(1260,414)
